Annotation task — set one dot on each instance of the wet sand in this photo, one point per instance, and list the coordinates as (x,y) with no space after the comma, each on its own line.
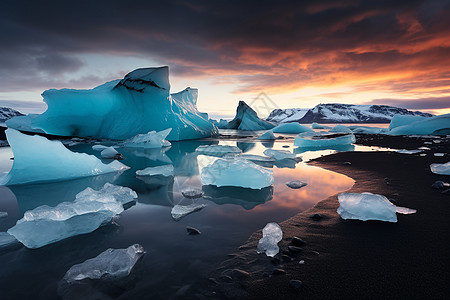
(351,259)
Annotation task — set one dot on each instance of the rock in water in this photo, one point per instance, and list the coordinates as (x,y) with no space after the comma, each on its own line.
(236,172)
(247,119)
(180,211)
(368,206)
(165,170)
(110,264)
(295,284)
(50,161)
(439,185)
(296,184)
(192,231)
(272,234)
(192,193)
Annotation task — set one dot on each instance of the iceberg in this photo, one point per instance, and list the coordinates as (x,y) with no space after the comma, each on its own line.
(111,153)
(268,135)
(291,128)
(148,140)
(318,126)
(165,170)
(192,193)
(272,234)
(110,264)
(221,124)
(121,109)
(368,206)
(437,125)
(50,161)
(236,172)
(180,211)
(405,151)
(441,169)
(321,139)
(90,210)
(279,154)
(340,128)
(247,119)
(217,150)
(23,123)
(401,120)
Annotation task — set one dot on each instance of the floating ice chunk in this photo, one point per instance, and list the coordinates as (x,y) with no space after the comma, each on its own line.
(368,130)
(296,184)
(3,214)
(180,211)
(149,140)
(50,161)
(441,169)
(110,264)
(217,150)
(321,139)
(192,193)
(90,210)
(272,234)
(165,170)
(279,154)
(268,135)
(291,128)
(111,153)
(424,148)
(340,128)
(236,172)
(439,154)
(437,125)
(99,147)
(318,126)
(401,120)
(368,206)
(405,151)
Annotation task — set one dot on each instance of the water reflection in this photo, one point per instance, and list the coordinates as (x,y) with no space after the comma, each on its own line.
(339,148)
(158,190)
(245,197)
(245,146)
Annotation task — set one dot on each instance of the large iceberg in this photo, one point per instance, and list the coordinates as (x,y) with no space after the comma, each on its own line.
(236,172)
(247,119)
(90,210)
(151,139)
(401,120)
(321,139)
(437,125)
(368,206)
(291,128)
(110,264)
(272,234)
(121,109)
(50,161)
(441,169)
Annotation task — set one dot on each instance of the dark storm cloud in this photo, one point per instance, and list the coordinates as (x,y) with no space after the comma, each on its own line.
(262,44)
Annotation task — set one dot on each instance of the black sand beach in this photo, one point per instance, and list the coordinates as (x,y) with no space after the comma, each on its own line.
(351,259)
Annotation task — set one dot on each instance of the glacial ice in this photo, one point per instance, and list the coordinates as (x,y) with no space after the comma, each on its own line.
(110,153)
(272,234)
(90,210)
(268,135)
(279,154)
(247,119)
(405,151)
(441,169)
(437,125)
(291,128)
(236,172)
(99,147)
(318,126)
(341,129)
(192,193)
(148,140)
(217,150)
(180,211)
(401,120)
(110,264)
(321,139)
(164,170)
(23,123)
(368,130)
(50,161)
(121,109)
(221,124)
(368,206)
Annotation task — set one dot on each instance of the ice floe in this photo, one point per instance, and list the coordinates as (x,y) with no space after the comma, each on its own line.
(272,234)
(192,193)
(405,151)
(323,139)
(148,140)
(164,170)
(341,129)
(247,119)
(111,153)
(180,211)
(279,154)
(217,150)
(441,169)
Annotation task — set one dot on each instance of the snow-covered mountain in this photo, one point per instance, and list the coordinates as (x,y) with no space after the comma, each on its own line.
(7,113)
(341,113)
(247,119)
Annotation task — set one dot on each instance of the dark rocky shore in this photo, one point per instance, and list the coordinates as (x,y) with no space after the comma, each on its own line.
(351,259)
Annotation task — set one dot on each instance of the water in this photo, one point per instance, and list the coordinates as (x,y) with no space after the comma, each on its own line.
(174,260)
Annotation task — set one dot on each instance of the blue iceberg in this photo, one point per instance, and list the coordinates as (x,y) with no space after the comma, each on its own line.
(247,119)
(291,128)
(437,125)
(268,135)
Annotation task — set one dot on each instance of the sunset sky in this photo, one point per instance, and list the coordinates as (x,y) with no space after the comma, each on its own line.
(299,53)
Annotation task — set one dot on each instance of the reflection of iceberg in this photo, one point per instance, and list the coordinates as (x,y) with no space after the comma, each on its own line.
(245,147)
(158,190)
(339,148)
(50,161)
(155,154)
(247,198)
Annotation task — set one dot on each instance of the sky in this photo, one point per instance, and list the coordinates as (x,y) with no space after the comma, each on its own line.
(284,54)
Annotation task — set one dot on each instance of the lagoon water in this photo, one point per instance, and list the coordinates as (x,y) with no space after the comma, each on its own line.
(176,264)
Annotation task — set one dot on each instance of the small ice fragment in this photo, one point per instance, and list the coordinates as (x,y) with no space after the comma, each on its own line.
(405,151)
(427,143)
(268,135)
(111,153)
(192,193)
(110,264)
(422,154)
(296,184)
(323,139)
(441,169)
(3,214)
(99,147)
(439,154)
(279,154)
(405,210)
(302,262)
(148,140)
(318,126)
(180,211)
(424,148)
(217,150)
(165,170)
(272,234)
(340,128)
(368,206)
(436,141)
